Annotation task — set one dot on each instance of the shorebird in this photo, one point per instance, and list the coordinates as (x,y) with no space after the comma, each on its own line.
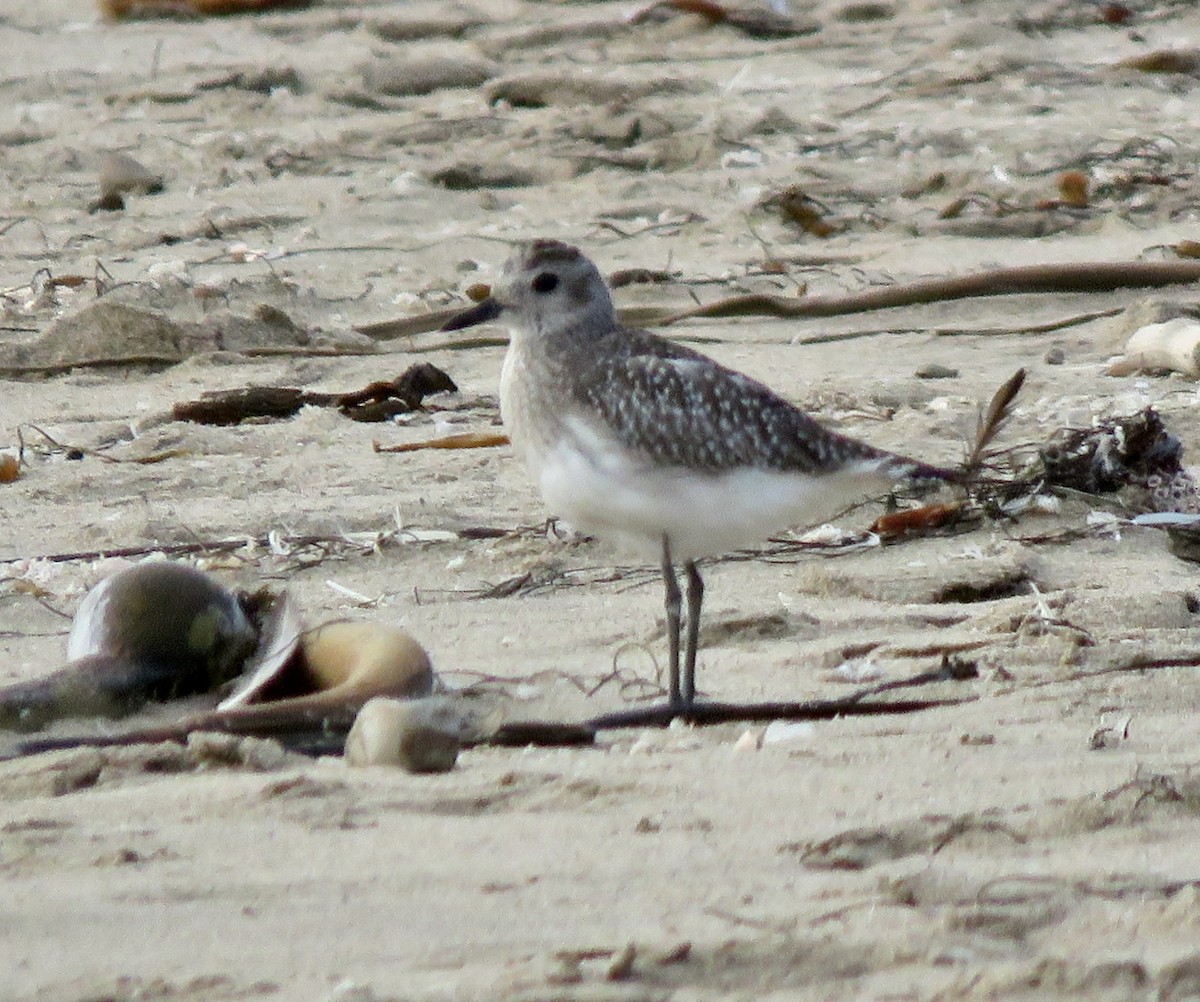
(655,446)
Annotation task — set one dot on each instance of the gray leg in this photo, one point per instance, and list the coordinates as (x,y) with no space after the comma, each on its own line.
(695,596)
(673,605)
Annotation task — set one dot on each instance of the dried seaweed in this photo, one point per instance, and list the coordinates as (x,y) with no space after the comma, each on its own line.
(464,440)
(990,422)
(377,401)
(1116,453)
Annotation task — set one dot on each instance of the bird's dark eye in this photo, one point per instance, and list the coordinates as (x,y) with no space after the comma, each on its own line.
(545,282)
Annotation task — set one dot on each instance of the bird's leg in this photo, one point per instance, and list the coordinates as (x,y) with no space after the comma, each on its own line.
(673,605)
(695,596)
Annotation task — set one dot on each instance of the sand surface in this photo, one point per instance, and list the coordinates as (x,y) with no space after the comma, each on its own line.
(982,850)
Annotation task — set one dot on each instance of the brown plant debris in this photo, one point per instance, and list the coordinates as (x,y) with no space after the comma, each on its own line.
(990,422)
(464,440)
(923,520)
(756,21)
(1164,61)
(799,208)
(138,9)
(376,401)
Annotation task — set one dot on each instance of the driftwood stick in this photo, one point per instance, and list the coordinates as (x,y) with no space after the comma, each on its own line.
(661,714)
(1085,276)
(1097,276)
(952,669)
(309,734)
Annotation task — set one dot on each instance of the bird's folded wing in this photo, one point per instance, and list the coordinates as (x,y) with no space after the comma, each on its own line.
(692,412)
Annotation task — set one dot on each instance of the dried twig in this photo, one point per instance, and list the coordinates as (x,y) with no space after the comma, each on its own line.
(324,733)
(79,451)
(272,542)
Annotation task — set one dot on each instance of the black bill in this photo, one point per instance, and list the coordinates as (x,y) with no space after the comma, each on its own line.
(481,313)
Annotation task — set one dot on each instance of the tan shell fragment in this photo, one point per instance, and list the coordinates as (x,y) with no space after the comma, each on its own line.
(1173,344)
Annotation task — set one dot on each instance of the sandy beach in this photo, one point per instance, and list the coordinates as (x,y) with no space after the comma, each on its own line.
(332,176)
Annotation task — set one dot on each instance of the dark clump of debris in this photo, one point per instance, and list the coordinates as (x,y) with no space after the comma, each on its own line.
(1118,452)
(377,401)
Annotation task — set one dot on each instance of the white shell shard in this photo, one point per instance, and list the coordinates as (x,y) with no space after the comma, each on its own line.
(1173,344)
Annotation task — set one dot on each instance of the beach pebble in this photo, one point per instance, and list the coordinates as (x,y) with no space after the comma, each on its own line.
(404,77)
(209,748)
(416,29)
(539,90)
(420,735)
(787,730)
(935,371)
(469,175)
(862,12)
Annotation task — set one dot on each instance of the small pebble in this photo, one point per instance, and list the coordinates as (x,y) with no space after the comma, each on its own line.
(1055,356)
(402,77)
(935,371)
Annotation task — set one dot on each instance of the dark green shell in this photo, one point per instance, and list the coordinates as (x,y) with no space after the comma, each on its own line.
(157,631)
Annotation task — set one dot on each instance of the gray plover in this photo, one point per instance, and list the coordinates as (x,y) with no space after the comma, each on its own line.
(654,445)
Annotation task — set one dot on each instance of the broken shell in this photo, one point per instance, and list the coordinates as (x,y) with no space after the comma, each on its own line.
(152,632)
(160,631)
(1174,344)
(421,735)
(370,659)
(121,173)
(337,668)
(1073,187)
(320,679)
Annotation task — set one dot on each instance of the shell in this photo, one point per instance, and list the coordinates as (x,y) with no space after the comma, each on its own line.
(282,629)
(170,618)
(1174,344)
(336,668)
(160,631)
(422,735)
(156,631)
